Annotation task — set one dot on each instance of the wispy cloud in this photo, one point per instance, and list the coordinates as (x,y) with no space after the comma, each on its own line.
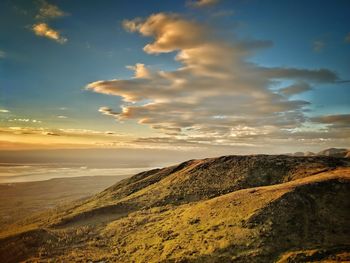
(202,3)
(338,120)
(347,38)
(295,89)
(24,120)
(4,111)
(216,95)
(318,45)
(223,13)
(49,11)
(41,136)
(46,12)
(2,54)
(43,30)
(108,111)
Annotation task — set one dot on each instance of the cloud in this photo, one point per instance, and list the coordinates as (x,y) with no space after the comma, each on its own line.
(43,30)
(2,54)
(223,13)
(296,88)
(108,111)
(4,111)
(347,38)
(216,95)
(24,120)
(51,133)
(338,120)
(49,11)
(132,25)
(87,135)
(171,31)
(140,70)
(314,75)
(202,3)
(62,117)
(318,45)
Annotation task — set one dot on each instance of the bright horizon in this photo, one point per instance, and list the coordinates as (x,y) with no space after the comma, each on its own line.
(180,80)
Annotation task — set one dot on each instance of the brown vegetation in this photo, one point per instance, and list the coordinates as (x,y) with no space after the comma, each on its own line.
(228,209)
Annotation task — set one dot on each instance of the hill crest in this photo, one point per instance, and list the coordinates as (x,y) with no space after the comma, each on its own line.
(212,210)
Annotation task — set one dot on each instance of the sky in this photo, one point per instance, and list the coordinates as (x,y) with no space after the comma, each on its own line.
(190,78)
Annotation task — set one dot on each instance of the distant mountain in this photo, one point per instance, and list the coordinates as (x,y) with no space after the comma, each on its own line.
(334,152)
(257,208)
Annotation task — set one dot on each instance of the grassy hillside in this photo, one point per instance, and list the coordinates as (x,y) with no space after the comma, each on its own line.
(196,180)
(228,209)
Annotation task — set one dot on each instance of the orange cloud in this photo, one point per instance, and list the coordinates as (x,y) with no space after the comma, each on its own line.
(40,137)
(172,33)
(43,30)
(216,96)
(203,3)
(48,11)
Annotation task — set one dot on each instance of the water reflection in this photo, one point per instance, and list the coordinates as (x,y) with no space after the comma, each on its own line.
(10,173)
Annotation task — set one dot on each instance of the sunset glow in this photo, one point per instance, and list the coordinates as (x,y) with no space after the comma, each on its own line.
(185,75)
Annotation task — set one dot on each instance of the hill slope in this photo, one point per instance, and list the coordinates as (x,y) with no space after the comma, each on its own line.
(232,208)
(197,180)
(333,152)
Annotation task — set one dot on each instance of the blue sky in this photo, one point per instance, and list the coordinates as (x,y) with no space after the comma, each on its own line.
(42,79)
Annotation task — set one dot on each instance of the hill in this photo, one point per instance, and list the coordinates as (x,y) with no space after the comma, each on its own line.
(229,209)
(333,152)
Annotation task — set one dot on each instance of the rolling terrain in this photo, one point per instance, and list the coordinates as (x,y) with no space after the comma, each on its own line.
(257,208)
(333,152)
(19,200)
